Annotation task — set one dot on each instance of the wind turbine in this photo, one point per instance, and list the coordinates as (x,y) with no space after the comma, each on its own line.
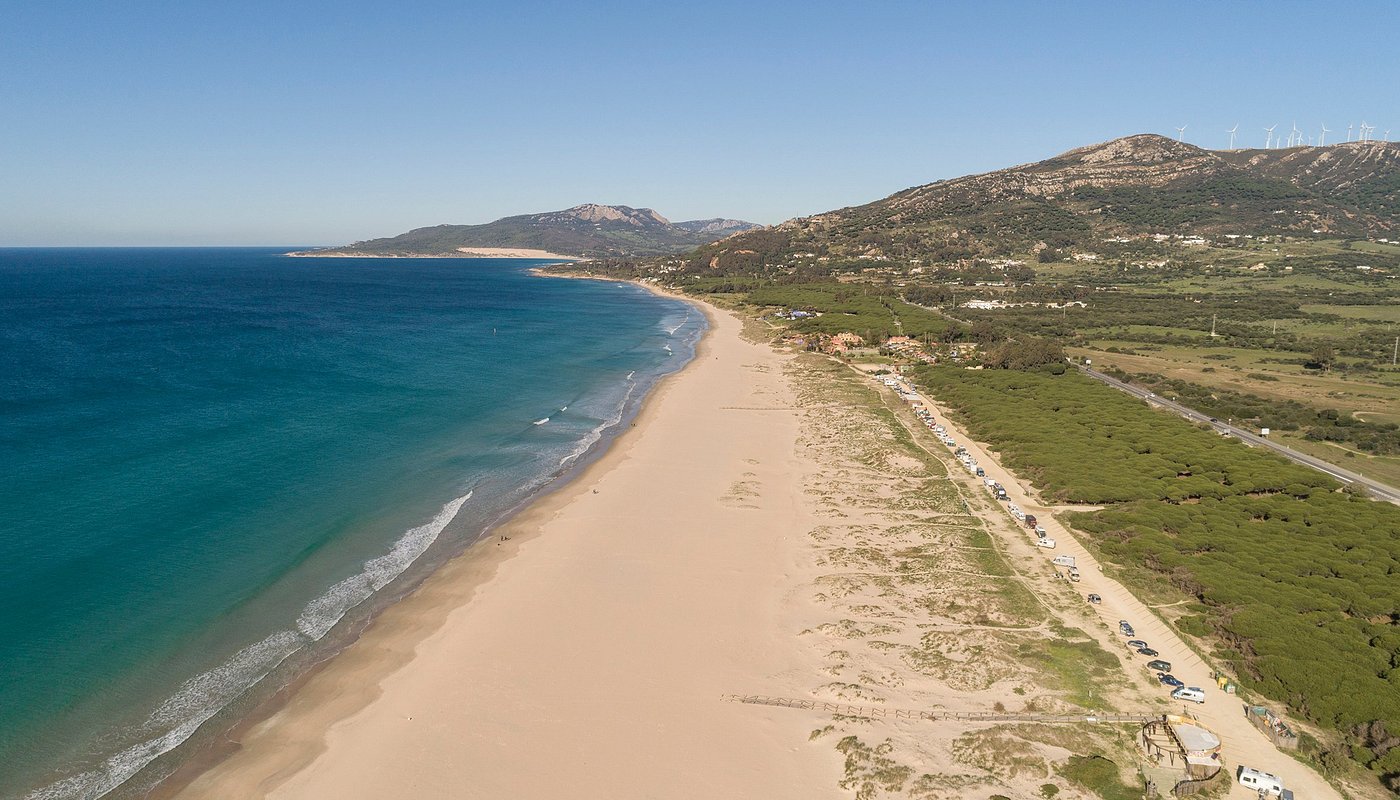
(1349,127)
(1181,134)
(1296,136)
(1387,134)
(1322,140)
(1269,140)
(1232,135)
(1365,132)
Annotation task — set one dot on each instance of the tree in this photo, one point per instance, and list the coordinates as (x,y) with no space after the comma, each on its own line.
(1322,356)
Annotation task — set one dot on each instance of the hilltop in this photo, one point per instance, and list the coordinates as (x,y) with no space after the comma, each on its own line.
(1129,188)
(588,231)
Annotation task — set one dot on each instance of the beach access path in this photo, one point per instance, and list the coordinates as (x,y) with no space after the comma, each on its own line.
(586,655)
(1243,744)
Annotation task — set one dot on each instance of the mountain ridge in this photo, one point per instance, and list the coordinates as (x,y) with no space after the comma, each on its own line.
(589,230)
(1134,186)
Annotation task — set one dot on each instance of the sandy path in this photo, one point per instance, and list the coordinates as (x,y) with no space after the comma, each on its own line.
(1243,744)
(591,663)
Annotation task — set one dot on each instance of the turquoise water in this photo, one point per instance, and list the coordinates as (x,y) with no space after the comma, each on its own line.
(209,457)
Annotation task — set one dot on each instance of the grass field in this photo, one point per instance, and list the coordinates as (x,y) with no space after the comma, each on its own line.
(1382,468)
(1383,314)
(1376,399)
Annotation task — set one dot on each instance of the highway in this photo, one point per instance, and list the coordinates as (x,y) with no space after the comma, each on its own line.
(1379,490)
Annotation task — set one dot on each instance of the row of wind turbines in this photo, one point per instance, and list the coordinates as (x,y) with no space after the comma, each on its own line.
(1297,138)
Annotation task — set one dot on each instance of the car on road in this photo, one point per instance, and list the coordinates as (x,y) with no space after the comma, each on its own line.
(1170,680)
(1147,651)
(1095,599)
(1127,630)
(1136,643)
(1160,665)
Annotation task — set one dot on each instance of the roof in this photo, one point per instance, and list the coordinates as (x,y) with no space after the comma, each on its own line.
(1195,738)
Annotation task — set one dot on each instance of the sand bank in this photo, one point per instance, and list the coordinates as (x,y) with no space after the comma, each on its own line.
(585,656)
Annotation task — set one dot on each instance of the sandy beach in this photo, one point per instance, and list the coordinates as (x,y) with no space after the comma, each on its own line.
(585,655)
(773,524)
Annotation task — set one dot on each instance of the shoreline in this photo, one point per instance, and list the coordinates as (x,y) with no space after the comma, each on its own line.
(521,253)
(386,641)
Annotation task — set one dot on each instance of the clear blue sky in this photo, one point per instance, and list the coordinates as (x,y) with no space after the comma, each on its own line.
(323,122)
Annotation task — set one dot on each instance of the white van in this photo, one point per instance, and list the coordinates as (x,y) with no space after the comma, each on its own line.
(1192,693)
(1260,781)
(1047,543)
(1064,561)
(1040,531)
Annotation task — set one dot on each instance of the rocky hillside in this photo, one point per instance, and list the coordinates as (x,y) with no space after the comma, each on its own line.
(589,230)
(1127,188)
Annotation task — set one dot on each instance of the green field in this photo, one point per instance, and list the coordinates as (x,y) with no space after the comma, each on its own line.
(1385,313)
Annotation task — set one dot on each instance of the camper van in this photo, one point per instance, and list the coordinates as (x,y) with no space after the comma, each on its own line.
(1192,693)
(1260,781)
(1046,543)
(1063,561)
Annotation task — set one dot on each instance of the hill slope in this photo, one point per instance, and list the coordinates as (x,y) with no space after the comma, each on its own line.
(589,230)
(1130,187)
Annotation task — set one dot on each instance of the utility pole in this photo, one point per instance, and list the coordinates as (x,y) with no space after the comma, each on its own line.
(1396,352)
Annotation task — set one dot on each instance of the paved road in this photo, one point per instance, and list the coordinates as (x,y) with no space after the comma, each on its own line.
(1380,490)
(1243,744)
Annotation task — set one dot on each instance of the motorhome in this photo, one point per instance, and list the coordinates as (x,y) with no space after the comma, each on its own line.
(1259,781)
(1192,693)
(1064,561)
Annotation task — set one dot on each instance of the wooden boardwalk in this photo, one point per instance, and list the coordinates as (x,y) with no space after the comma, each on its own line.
(885,712)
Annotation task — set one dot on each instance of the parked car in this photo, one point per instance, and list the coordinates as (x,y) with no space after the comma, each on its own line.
(1160,665)
(1170,680)
(1095,599)
(981,473)
(1136,643)
(1147,651)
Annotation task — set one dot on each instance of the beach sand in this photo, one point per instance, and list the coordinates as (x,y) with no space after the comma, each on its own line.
(585,655)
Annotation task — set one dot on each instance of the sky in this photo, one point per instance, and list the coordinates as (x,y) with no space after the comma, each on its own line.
(320,123)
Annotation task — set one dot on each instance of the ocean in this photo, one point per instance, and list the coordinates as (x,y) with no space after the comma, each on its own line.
(216,464)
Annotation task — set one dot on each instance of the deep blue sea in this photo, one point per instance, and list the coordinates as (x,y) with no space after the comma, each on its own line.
(211,457)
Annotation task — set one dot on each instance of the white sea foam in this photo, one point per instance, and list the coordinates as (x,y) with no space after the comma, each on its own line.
(321,614)
(179,717)
(201,697)
(593,436)
(542,421)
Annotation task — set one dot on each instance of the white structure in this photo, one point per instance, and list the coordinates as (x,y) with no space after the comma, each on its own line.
(1232,135)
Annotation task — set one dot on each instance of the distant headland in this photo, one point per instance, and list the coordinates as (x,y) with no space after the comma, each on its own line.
(585,231)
